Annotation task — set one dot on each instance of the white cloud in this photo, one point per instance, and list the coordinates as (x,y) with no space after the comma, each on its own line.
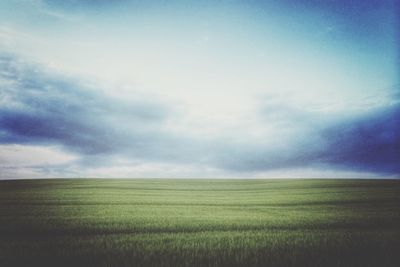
(33,161)
(155,170)
(15,155)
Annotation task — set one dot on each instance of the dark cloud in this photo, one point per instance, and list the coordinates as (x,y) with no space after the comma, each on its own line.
(369,143)
(39,107)
(43,108)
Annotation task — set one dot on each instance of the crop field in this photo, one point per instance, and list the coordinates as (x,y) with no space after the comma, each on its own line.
(172,222)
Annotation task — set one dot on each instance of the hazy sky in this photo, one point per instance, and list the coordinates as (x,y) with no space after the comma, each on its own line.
(199,88)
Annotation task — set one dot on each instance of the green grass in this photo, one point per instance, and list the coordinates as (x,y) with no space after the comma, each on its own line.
(94,222)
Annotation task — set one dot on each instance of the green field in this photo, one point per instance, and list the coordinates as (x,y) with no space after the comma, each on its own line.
(142,222)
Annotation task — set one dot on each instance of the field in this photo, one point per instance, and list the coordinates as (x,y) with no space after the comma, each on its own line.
(142,222)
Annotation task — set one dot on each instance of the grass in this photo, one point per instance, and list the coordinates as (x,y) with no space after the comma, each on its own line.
(95,222)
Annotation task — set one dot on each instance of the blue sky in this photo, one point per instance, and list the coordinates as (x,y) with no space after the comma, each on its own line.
(256,89)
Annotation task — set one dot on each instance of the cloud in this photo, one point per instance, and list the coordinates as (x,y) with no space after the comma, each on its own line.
(38,107)
(29,161)
(361,140)
(79,130)
(27,155)
(371,142)
(42,108)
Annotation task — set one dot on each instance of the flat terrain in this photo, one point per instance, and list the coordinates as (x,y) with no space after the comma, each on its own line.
(93,222)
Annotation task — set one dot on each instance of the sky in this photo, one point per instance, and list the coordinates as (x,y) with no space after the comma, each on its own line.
(199,89)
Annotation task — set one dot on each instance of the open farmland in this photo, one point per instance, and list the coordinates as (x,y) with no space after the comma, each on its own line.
(172,222)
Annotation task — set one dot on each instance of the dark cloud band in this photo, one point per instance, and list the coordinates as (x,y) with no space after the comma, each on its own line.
(39,107)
